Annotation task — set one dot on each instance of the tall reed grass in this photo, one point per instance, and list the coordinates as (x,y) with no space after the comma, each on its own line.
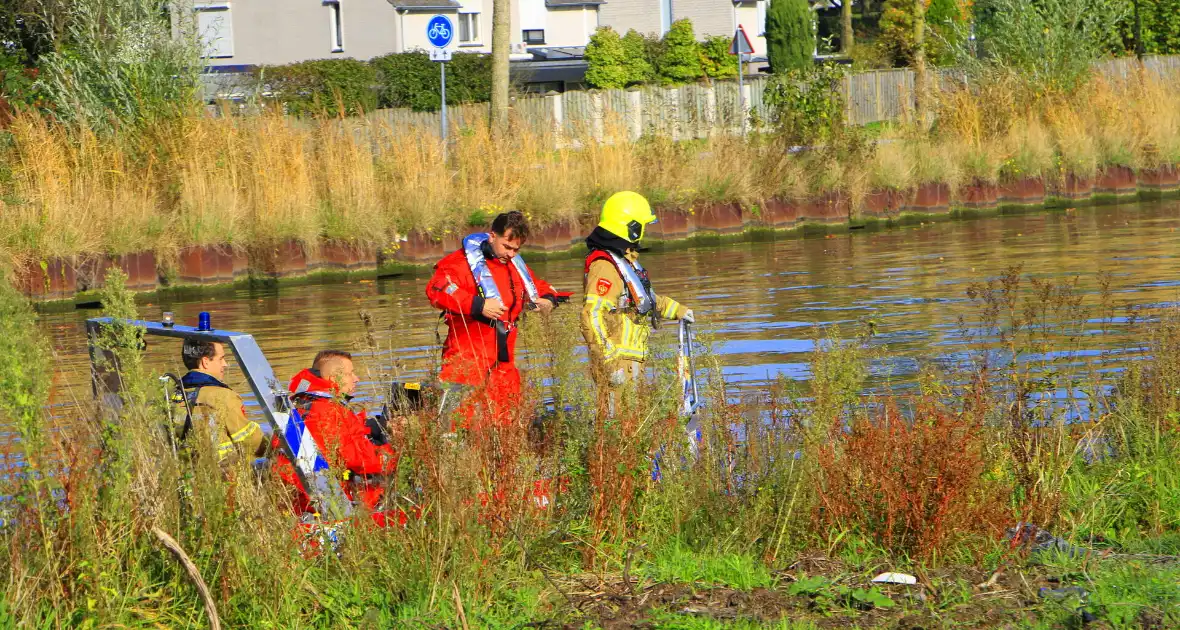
(264,178)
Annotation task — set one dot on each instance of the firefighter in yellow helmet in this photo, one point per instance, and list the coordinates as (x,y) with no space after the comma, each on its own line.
(621,309)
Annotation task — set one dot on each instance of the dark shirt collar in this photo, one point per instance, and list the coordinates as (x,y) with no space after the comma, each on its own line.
(197,378)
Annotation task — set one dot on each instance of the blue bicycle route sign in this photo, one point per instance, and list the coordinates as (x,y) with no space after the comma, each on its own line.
(440,31)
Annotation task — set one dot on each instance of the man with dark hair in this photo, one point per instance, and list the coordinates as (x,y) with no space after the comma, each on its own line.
(321,394)
(212,406)
(482,290)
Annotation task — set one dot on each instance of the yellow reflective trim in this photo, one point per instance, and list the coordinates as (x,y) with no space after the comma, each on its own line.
(413,386)
(244,432)
(224,449)
(608,348)
(671,308)
(596,301)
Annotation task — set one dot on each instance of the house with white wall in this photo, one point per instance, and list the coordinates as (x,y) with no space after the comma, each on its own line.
(241,33)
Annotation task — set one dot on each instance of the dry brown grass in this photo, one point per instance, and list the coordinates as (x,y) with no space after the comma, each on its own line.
(266,178)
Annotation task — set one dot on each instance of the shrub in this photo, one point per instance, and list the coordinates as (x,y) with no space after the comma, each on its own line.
(638,59)
(606,60)
(790,35)
(806,104)
(944,19)
(17,87)
(716,61)
(23,364)
(1159,27)
(680,60)
(1051,44)
(333,87)
(119,60)
(413,80)
(912,486)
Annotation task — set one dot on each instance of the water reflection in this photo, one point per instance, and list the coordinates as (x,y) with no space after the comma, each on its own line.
(762,302)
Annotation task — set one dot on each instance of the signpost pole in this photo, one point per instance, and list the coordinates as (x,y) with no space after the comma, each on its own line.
(443,69)
(742,91)
(741,47)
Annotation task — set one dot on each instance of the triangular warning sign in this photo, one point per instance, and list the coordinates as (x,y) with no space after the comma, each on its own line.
(741,43)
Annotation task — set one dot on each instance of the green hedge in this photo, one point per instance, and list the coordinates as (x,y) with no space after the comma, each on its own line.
(675,59)
(329,86)
(413,80)
(349,86)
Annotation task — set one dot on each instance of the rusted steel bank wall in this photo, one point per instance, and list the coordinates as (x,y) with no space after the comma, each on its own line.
(63,278)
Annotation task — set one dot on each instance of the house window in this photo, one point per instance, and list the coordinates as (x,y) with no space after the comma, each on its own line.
(215,28)
(335,24)
(469,28)
(534,36)
(761,28)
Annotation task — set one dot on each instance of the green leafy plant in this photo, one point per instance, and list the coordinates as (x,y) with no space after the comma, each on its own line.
(412,80)
(121,62)
(638,58)
(825,594)
(1051,45)
(606,60)
(1159,27)
(716,61)
(806,104)
(680,59)
(945,33)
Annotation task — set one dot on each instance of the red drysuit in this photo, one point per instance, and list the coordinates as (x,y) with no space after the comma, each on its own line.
(474,353)
(343,441)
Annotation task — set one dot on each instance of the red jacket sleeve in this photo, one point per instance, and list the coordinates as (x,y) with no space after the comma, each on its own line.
(346,436)
(452,288)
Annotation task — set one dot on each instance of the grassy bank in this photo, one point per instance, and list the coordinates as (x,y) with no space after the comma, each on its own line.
(828,486)
(253,182)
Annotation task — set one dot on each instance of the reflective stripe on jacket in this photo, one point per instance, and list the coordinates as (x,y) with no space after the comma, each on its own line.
(612,328)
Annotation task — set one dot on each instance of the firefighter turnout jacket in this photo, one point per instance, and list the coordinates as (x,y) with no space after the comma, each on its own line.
(614,329)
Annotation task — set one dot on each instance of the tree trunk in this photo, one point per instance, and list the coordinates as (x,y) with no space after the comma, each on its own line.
(846,22)
(501,23)
(921,93)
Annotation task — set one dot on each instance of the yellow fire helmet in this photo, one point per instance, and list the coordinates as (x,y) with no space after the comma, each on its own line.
(625,215)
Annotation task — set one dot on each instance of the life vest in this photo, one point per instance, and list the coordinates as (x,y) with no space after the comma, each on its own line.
(478,262)
(305,396)
(637,294)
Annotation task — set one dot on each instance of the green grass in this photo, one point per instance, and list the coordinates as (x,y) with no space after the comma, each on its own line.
(682,566)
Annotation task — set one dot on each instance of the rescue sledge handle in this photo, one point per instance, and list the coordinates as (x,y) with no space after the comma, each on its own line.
(688,370)
(296,442)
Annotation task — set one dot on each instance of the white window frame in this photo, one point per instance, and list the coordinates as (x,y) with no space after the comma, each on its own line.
(223,46)
(335,25)
(471,19)
(761,4)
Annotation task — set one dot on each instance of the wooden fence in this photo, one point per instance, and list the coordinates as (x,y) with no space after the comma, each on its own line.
(703,110)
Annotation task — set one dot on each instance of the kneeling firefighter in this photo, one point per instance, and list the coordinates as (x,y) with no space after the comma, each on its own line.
(621,308)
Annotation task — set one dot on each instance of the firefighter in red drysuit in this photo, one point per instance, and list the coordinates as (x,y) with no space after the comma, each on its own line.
(345,439)
(482,290)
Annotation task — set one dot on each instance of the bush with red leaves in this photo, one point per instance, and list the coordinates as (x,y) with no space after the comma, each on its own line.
(911,485)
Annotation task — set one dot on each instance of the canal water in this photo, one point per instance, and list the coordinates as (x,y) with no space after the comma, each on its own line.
(761,302)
